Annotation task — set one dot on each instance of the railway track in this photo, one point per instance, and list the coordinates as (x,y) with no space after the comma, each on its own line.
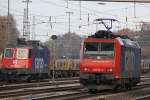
(74,96)
(38,84)
(85,94)
(38,90)
(34,81)
(48,83)
(67,90)
(61,92)
(147,97)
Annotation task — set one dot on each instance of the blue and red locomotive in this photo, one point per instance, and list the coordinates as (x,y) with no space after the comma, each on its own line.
(28,60)
(109,61)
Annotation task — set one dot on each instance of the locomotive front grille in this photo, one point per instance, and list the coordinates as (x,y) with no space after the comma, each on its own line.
(88,78)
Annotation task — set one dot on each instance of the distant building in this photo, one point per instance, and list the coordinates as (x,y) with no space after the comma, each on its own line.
(8,31)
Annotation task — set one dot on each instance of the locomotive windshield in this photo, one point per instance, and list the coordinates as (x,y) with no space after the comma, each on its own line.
(99,50)
(22,53)
(9,53)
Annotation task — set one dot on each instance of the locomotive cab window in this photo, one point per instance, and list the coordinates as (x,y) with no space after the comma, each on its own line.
(99,50)
(22,53)
(9,53)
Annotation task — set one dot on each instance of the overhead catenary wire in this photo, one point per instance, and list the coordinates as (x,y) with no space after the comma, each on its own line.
(57,16)
(64,15)
(102,12)
(83,9)
(105,11)
(78,10)
(65,22)
(54,3)
(32,14)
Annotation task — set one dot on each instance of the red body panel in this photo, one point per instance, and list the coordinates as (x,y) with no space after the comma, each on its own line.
(88,65)
(117,60)
(97,66)
(14,63)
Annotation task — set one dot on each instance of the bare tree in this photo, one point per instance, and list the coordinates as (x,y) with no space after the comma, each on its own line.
(142,37)
(12,31)
(67,45)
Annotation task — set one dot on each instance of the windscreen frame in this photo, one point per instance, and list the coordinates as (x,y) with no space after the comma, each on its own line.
(12,55)
(98,50)
(22,58)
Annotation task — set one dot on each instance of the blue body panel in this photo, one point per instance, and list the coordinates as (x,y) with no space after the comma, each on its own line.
(40,58)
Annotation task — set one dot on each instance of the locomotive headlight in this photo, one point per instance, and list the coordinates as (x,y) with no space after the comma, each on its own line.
(98,57)
(117,77)
(85,69)
(109,69)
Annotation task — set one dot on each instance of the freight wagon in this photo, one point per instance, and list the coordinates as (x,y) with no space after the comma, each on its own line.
(65,67)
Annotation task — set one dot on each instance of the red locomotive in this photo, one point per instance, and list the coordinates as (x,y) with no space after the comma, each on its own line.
(109,60)
(27,61)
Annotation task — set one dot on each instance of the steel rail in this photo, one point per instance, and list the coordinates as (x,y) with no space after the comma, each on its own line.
(85,94)
(39,90)
(147,97)
(37,84)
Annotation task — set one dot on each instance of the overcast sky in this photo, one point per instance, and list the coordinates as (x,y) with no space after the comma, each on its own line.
(43,9)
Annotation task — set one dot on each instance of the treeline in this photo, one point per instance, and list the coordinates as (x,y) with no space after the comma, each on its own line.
(142,37)
(8,31)
(65,46)
(68,45)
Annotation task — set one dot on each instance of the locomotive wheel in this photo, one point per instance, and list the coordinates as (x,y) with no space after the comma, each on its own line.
(128,86)
(116,87)
(93,91)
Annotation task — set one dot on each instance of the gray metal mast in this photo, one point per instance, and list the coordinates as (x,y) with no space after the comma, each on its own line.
(69,14)
(8,30)
(27,19)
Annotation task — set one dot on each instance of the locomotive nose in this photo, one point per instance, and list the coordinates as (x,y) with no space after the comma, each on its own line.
(98,66)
